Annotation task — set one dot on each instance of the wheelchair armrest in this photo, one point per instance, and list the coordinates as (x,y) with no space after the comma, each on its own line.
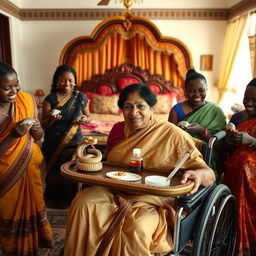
(188,201)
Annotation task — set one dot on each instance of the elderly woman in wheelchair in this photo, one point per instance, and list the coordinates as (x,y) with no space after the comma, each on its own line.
(106,222)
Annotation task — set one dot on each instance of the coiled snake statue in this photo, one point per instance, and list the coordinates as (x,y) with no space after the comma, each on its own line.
(91,161)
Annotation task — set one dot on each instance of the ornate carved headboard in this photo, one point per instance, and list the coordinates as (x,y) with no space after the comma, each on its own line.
(121,39)
(114,80)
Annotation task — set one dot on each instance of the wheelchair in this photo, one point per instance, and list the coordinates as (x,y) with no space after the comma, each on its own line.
(210,222)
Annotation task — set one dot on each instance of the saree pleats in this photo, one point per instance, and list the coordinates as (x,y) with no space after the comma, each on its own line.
(23,221)
(240,177)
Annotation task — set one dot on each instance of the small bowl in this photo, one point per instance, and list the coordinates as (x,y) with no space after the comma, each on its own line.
(159,181)
(27,121)
(55,112)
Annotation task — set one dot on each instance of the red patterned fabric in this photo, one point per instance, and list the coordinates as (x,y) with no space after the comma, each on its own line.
(125,81)
(104,90)
(240,177)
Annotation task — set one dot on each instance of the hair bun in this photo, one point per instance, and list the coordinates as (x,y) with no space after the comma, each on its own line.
(190,72)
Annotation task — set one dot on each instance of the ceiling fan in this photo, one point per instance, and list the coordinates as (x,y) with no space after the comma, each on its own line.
(103,2)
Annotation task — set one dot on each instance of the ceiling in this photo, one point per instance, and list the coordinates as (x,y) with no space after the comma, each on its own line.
(146,4)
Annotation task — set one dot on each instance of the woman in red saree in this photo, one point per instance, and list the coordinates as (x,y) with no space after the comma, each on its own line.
(240,173)
(23,222)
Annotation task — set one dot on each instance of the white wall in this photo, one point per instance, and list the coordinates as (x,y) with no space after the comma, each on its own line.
(201,38)
(36,46)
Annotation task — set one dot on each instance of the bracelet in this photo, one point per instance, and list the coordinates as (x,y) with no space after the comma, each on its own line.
(205,134)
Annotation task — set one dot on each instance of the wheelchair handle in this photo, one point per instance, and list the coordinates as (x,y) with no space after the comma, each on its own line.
(217,136)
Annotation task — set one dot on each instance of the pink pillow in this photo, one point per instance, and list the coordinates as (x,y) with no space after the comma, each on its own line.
(125,81)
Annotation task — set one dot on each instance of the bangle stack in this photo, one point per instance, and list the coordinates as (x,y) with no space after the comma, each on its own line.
(205,134)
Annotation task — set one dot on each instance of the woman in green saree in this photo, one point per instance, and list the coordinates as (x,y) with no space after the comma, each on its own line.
(64,109)
(204,118)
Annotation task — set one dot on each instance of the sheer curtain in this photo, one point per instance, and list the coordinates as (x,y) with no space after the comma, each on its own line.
(235,31)
(252,41)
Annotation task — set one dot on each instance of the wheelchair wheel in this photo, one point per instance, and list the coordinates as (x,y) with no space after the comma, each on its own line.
(216,233)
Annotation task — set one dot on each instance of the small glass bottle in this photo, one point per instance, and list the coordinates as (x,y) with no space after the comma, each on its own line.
(136,164)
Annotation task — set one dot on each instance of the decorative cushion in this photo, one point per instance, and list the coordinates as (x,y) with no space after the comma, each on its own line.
(155,88)
(165,102)
(105,104)
(89,96)
(104,89)
(124,81)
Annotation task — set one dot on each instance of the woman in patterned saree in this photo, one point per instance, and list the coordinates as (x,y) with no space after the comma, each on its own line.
(240,171)
(106,222)
(204,118)
(62,133)
(23,222)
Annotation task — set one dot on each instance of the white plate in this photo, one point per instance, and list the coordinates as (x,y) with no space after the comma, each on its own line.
(126,176)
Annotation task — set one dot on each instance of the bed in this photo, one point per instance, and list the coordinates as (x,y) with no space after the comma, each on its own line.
(122,50)
(103,92)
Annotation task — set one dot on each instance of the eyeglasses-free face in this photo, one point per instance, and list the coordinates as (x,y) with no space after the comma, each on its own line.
(137,113)
(9,87)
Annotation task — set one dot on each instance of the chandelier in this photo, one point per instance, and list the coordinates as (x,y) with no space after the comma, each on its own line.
(128,3)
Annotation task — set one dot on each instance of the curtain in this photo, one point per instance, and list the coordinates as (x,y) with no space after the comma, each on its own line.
(233,37)
(252,41)
(89,62)
(157,62)
(117,50)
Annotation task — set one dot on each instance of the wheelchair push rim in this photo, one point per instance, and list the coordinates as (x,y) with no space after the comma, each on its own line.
(216,233)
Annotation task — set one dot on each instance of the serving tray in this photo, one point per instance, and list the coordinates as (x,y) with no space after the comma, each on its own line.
(69,170)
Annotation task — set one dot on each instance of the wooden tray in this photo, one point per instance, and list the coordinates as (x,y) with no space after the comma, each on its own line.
(69,170)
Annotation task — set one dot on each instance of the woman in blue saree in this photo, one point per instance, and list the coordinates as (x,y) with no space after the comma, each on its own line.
(64,109)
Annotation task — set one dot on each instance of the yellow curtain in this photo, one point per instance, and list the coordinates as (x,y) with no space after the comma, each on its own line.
(157,62)
(117,50)
(252,41)
(90,62)
(234,33)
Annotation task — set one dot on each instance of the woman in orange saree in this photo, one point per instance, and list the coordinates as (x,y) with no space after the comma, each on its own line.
(111,223)
(23,222)
(240,171)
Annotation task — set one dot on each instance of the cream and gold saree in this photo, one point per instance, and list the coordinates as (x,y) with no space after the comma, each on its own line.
(143,227)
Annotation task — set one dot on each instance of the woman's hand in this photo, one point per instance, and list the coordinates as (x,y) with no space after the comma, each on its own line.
(19,129)
(195,128)
(83,120)
(201,177)
(243,138)
(53,118)
(36,130)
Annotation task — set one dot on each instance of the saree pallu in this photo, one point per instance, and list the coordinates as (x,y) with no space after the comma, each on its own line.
(23,222)
(240,177)
(60,143)
(211,117)
(146,226)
